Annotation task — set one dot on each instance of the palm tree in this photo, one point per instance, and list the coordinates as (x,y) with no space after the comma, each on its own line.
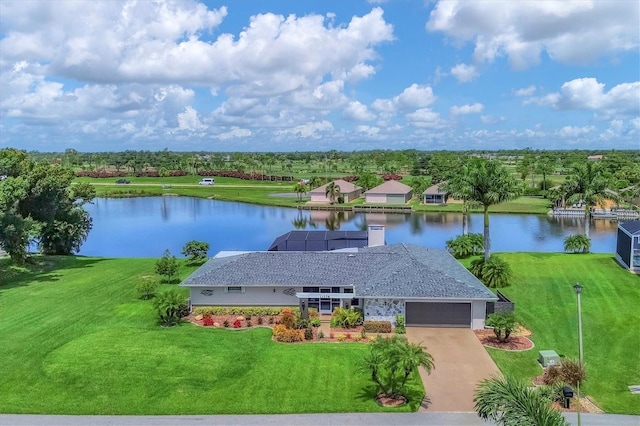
(332,192)
(485,182)
(410,357)
(300,188)
(511,402)
(586,183)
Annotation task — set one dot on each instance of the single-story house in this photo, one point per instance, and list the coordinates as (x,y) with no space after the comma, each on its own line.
(428,286)
(628,245)
(390,192)
(435,195)
(348,191)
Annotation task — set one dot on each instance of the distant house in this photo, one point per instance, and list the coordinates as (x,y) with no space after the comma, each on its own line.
(390,192)
(595,157)
(628,245)
(435,195)
(428,286)
(348,191)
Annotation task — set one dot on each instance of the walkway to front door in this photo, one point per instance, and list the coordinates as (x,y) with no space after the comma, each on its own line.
(461,362)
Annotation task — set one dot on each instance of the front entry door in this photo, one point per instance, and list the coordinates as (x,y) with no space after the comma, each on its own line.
(325,304)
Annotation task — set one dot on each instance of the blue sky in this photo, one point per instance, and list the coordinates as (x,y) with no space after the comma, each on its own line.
(318,75)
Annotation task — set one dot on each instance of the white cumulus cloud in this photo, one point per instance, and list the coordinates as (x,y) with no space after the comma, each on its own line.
(358,112)
(467,109)
(464,73)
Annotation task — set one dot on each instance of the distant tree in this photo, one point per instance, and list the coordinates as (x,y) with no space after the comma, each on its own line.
(146,288)
(196,251)
(578,243)
(419,185)
(486,182)
(332,192)
(300,189)
(464,246)
(167,266)
(509,402)
(368,180)
(586,183)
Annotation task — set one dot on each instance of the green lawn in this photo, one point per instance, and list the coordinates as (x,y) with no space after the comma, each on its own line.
(522,205)
(547,304)
(75,340)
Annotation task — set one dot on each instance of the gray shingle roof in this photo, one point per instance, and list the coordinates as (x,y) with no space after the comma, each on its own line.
(399,270)
(345,187)
(390,187)
(633,226)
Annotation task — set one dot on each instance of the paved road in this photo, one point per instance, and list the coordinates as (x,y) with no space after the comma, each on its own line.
(460,363)
(368,419)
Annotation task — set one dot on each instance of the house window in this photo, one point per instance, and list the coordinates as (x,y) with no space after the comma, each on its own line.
(355,302)
(347,290)
(311,289)
(335,289)
(235,290)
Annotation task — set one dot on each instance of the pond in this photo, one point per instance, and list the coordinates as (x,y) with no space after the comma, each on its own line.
(145,227)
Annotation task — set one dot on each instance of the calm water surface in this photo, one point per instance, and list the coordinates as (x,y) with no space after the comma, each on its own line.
(145,227)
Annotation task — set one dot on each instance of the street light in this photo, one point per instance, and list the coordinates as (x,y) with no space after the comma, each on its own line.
(578,288)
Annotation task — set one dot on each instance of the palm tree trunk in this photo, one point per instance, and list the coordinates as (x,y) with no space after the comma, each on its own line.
(465,223)
(487,239)
(587,221)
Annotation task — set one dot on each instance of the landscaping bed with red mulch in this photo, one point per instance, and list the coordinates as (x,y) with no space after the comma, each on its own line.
(518,341)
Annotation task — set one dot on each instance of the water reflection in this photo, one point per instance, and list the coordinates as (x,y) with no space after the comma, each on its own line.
(140,227)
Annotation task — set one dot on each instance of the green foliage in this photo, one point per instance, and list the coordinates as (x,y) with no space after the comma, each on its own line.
(577,243)
(391,361)
(300,189)
(400,324)
(503,324)
(196,251)
(464,246)
(37,203)
(368,180)
(146,288)
(494,273)
(346,318)
(167,266)
(332,192)
(246,311)
(168,306)
(509,402)
(376,327)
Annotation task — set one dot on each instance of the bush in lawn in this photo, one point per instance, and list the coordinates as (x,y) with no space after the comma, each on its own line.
(570,371)
(503,324)
(376,326)
(578,243)
(146,288)
(464,246)
(167,266)
(196,251)
(287,335)
(400,324)
(494,273)
(346,318)
(288,318)
(168,305)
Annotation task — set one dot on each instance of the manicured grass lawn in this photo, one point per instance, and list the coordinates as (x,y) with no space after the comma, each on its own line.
(532,205)
(547,304)
(75,340)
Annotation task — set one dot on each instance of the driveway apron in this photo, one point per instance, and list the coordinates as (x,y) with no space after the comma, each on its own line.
(461,362)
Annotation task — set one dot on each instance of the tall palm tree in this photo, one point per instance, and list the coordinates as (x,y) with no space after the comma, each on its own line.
(300,189)
(332,192)
(511,402)
(485,182)
(586,183)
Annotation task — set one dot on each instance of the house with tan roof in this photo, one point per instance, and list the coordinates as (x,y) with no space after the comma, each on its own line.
(390,192)
(348,191)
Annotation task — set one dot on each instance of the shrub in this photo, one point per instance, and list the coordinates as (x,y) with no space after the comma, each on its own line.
(287,335)
(248,323)
(237,324)
(400,325)
(340,337)
(315,322)
(288,319)
(196,251)
(308,333)
(376,326)
(578,243)
(183,310)
(146,288)
(167,305)
(313,313)
(259,320)
(494,273)
(570,371)
(357,338)
(207,321)
(271,320)
(464,246)
(503,324)
(225,324)
(320,335)
(346,318)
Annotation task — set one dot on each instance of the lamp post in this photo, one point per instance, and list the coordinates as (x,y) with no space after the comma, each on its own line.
(578,288)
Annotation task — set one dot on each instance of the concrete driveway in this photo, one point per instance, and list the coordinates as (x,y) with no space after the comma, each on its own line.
(460,363)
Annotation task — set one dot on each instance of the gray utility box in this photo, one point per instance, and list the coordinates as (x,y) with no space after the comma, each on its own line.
(548,358)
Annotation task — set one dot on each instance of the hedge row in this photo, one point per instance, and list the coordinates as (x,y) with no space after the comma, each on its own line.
(244,176)
(377,326)
(246,311)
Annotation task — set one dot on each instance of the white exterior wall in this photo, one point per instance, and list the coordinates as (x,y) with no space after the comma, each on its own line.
(253,296)
(383,310)
(478,313)
(376,198)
